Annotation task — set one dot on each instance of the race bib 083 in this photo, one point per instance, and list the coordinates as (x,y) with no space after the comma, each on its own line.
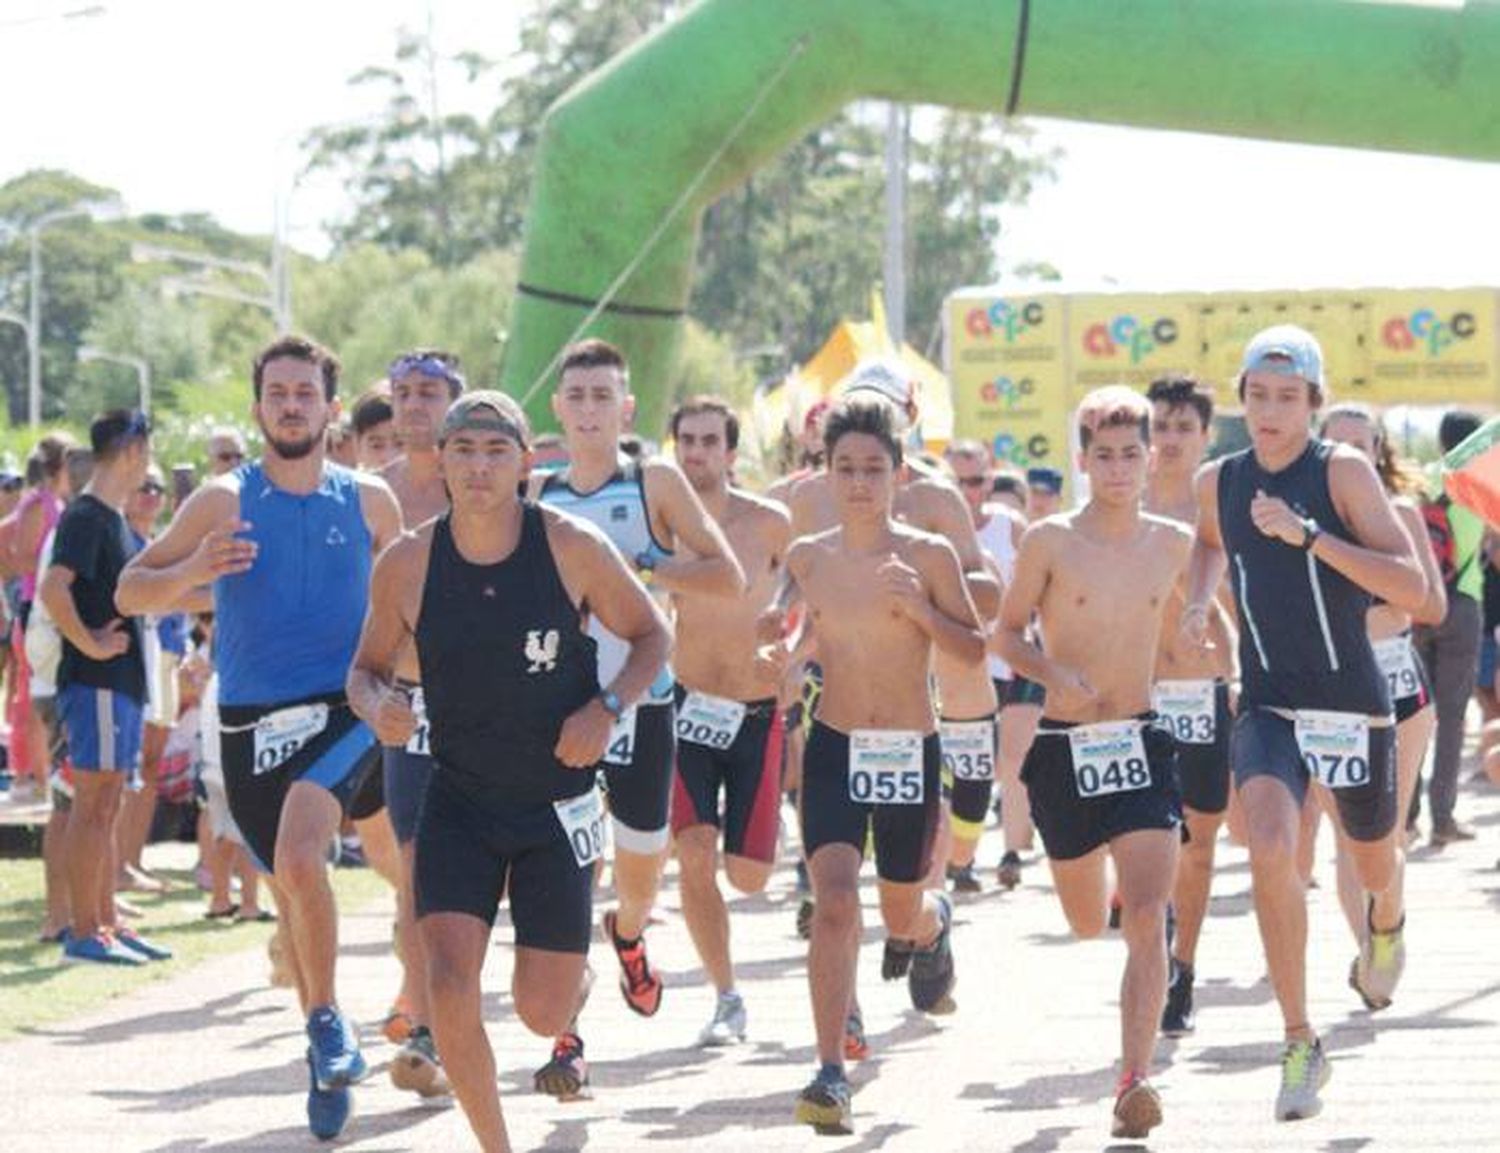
(1189,709)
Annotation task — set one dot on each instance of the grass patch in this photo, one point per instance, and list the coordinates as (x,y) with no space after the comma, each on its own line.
(36,988)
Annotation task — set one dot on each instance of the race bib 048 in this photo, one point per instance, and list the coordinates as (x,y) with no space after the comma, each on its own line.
(1189,708)
(885,767)
(1109,758)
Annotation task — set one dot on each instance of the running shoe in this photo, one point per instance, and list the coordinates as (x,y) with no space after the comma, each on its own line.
(417,1068)
(1304,1072)
(728,1025)
(963,879)
(1177,1013)
(896,959)
(1009,872)
(825,1105)
(856,1044)
(337,1061)
(98,949)
(566,1075)
(1377,970)
(931,979)
(1448,832)
(327,1109)
(1137,1109)
(805,918)
(397,1025)
(639,984)
(136,943)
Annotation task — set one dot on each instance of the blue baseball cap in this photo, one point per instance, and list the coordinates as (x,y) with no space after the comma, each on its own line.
(1286,350)
(1048,479)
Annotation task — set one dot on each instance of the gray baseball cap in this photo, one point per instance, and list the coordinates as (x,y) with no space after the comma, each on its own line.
(1286,350)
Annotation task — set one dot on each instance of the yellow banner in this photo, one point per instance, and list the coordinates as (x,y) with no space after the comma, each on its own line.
(1227,321)
(1432,347)
(1122,338)
(1005,359)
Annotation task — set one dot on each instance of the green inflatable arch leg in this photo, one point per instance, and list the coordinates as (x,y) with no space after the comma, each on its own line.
(631,157)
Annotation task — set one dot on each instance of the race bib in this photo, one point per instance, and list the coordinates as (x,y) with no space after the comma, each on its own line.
(418,742)
(1398,662)
(621,747)
(1189,708)
(969,749)
(710,721)
(1335,747)
(582,820)
(885,767)
(279,735)
(1109,758)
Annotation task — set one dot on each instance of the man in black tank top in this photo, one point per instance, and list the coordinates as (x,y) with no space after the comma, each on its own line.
(493,594)
(1306,536)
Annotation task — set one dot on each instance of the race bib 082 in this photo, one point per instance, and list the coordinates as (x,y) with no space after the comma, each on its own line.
(885,767)
(582,820)
(280,735)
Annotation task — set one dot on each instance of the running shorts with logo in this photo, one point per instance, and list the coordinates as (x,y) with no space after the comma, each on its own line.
(742,765)
(904,829)
(1265,744)
(469,852)
(969,751)
(103,728)
(268,748)
(1203,752)
(1124,798)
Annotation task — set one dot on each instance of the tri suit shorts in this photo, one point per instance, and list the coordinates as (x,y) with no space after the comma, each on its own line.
(748,776)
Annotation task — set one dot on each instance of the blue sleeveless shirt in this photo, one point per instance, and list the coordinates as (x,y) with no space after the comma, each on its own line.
(286,630)
(1303,640)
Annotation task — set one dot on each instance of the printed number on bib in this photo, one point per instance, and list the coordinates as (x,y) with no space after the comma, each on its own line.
(1189,708)
(969,750)
(1398,662)
(279,735)
(885,768)
(1335,747)
(418,743)
(582,819)
(621,747)
(1109,758)
(711,721)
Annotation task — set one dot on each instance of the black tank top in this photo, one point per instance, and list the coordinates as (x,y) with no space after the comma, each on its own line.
(504,662)
(1303,641)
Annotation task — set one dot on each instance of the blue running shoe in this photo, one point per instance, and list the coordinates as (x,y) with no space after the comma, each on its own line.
(337,1061)
(327,1109)
(130,939)
(98,949)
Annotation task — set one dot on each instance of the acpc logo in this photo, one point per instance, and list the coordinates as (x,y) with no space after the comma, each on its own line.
(1005,318)
(1004,390)
(1026,452)
(1126,332)
(1424,327)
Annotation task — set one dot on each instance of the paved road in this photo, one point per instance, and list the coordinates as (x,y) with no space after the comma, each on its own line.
(212,1060)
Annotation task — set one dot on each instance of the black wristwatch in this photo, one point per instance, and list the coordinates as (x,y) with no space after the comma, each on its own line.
(612,704)
(1311,531)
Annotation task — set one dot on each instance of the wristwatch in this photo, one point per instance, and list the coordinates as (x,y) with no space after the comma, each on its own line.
(1311,531)
(612,703)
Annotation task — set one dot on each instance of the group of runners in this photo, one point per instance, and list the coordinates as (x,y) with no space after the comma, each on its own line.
(529,671)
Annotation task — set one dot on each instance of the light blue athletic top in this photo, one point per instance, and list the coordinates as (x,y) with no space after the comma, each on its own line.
(287,629)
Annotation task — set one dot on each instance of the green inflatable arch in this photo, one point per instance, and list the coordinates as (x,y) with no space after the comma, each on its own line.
(631,157)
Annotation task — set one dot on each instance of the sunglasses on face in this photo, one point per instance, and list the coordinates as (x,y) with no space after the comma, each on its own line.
(974,481)
(229,457)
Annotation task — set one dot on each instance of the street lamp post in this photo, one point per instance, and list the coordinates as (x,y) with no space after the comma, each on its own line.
(23,324)
(276,301)
(88,353)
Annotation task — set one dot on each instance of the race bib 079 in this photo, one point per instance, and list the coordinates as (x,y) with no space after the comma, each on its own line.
(1398,664)
(885,767)
(1109,758)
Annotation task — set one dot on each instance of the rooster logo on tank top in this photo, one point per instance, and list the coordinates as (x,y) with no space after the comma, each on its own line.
(542,651)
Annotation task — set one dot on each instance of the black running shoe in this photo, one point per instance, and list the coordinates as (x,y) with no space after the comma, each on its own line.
(1009,872)
(1177,1013)
(964,879)
(825,1105)
(896,959)
(931,979)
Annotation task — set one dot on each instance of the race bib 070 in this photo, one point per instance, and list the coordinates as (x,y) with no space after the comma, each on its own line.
(1335,747)
(969,749)
(710,721)
(280,735)
(1189,709)
(1109,758)
(885,767)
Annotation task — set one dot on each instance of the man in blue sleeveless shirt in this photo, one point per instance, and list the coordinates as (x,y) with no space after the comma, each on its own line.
(1307,536)
(492,596)
(651,514)
(286,543)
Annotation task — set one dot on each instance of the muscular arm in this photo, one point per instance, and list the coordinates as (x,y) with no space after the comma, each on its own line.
(1382,562)
(714,570)
(1208,563)
(55,591)
(163,575)
(950,619)
(385,630)
(951,519)
(1023,596)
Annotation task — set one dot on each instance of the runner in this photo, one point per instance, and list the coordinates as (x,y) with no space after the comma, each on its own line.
(1310,537)
(423,383)
(1100,773)
(882,597)
(101,683)
(1382,956)
(729,729)
(647,510)
(1192,686)
(492,596)
(286,543)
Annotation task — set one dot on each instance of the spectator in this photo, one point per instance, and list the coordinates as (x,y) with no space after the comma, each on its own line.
(226,450)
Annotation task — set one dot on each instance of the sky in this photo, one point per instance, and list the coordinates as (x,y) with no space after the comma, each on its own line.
(198,105)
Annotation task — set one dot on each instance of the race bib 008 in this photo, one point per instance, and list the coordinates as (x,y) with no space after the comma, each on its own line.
(710,721)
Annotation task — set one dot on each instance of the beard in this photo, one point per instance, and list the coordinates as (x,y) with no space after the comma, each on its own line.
(288,449)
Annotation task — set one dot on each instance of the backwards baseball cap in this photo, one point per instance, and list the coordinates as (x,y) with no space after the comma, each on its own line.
(890,378)
(486,411)
(1286,350)
(1047,479)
